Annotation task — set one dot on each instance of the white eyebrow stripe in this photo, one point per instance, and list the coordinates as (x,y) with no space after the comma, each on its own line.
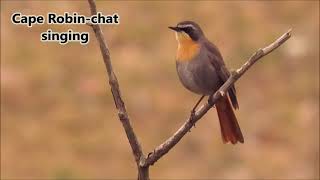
(186,25)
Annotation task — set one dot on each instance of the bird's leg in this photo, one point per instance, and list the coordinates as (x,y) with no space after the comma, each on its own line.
(195,107)
(210,100)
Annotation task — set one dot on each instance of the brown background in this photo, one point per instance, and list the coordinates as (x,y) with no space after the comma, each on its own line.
(57,114)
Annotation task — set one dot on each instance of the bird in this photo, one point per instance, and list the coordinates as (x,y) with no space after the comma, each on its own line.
(201,69)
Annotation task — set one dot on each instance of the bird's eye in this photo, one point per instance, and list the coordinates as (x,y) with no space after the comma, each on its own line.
(187,29)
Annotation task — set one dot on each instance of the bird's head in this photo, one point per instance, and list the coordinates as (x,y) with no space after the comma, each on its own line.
(187,30)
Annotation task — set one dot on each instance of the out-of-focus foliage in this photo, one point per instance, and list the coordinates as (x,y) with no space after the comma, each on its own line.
(58,119)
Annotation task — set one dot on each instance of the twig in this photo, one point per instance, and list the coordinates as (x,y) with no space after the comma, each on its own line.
(143,162)
(177,136)
(122,112)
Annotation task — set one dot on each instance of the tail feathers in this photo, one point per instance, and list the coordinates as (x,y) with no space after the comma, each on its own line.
(230,129)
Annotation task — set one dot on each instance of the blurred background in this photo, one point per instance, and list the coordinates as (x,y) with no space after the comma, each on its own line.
(58,119)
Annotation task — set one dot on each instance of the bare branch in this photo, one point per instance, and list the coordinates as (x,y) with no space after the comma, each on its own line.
(177,136)
(122,112)
(142,162)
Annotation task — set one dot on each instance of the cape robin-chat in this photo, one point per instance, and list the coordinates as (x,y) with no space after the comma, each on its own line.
(201,69)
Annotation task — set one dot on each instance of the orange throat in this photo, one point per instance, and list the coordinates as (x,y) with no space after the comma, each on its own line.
(187,48)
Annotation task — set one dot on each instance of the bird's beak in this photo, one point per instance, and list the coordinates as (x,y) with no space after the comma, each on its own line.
(174,28)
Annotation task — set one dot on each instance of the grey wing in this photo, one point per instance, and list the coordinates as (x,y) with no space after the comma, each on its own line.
(223,73)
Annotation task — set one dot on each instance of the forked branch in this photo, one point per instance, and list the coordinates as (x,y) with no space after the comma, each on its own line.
(143,162)
(164,148)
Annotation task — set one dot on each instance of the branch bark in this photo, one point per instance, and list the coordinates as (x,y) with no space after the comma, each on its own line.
(115,89)
(165,147)
(142,162)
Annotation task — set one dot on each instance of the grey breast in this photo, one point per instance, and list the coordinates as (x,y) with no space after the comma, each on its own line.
(198,75)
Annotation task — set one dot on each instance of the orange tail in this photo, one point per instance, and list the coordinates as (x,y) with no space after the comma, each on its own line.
(230,129)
